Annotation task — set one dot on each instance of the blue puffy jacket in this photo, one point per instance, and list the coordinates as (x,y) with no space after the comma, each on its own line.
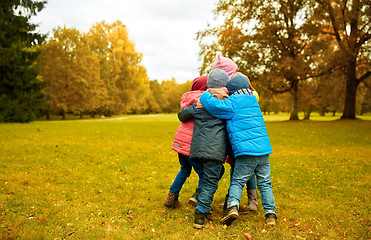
(245,123)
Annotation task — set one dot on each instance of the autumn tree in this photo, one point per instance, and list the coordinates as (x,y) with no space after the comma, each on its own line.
(172,95)
(97,72)
(166,96)
(271,41)
(155,97)
(71,72)
(20,88)
(349,23)
(125,78)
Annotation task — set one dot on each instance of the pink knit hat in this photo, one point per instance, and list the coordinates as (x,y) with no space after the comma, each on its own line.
(225,64)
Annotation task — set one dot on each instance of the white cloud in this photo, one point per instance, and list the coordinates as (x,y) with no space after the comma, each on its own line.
(163,30)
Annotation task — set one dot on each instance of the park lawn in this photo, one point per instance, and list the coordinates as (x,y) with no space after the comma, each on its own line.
(108,179)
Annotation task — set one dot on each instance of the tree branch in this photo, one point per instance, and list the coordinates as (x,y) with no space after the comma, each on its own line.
(363,77)
(333,21)
(282,44)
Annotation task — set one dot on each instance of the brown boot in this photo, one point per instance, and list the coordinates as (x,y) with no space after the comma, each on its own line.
(252,196)
(230,216)
(176,202)
(194,197)
(170,200)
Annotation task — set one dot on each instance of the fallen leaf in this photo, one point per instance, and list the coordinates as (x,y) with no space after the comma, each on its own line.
(247,236)
(42,219)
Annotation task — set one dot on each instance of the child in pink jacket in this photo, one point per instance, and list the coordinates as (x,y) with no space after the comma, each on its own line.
(182,145)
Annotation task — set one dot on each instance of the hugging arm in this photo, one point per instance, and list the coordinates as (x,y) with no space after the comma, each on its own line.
(223,109)
(186,113)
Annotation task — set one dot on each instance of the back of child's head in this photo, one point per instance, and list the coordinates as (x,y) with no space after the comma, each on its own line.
(243,75)
(199,83)
(225,64)
(217,78)
(237,83)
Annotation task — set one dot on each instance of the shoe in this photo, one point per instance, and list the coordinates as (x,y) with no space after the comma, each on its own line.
(200,220)
(270,219)
(241,211)
(230,216)
(252,196)
(194,197)
(176,202)
(170,200)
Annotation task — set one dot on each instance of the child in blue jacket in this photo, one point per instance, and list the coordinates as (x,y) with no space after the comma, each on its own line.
(250,144)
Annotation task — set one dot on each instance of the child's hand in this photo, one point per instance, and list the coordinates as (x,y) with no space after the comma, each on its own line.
(219,93)
(199,105)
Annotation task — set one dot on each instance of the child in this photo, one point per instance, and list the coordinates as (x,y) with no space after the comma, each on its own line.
(250,144)
(182,145)
(230,67)
(209,144)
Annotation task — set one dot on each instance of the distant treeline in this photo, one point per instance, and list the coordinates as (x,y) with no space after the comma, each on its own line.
(297,60)
(100,72)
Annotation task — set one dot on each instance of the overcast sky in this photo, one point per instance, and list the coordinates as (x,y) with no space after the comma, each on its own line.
(164,31)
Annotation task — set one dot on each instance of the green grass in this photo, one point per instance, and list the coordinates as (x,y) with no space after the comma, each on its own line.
(313,117)
(96,179)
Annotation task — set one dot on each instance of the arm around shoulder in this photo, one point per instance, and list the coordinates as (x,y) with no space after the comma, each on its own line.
(186,113)
(223,109)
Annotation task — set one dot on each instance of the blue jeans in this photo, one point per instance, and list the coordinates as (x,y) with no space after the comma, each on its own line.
(251,183)
(213,173)
(186,165)
(245,167)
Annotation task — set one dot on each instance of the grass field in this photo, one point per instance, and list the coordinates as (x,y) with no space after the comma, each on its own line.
(96,179)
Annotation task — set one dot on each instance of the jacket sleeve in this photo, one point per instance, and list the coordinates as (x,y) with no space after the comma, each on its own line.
(186,113)
(223,109)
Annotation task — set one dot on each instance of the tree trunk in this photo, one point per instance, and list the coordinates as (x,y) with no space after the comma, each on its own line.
(307,113)
(350,102)
(294,101)
(351,92)
(64,115)
(47,115)
(322,111)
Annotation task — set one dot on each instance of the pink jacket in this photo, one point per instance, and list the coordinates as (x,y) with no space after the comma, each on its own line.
(183,136)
